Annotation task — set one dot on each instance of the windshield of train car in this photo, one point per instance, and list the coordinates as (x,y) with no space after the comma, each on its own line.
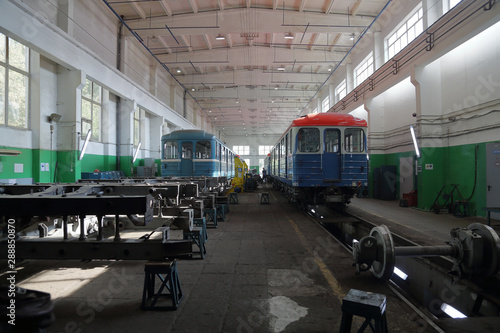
(354,140)
(203,149)
(308,140)
(187,150)
(332,140)
(170,149)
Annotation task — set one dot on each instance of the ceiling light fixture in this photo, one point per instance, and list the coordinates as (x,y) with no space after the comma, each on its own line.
(281,68)
(179,71)
(351,37)
(329,69)
(288,35)
(220,37)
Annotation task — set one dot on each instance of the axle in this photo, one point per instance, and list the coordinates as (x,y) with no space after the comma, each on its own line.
(475,251)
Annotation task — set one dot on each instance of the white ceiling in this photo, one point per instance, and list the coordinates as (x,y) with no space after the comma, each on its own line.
(236,81)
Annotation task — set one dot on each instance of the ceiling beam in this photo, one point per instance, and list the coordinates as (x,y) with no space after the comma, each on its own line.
(186,43)
(207,41)
(236,56)
(314,39)
(355,8)
(229,22)
(162,40)
(138,10)
(166,7)
(194,6)
(302,5)
(220,3)
(329,8)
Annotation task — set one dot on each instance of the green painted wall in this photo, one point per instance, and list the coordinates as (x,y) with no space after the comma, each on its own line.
(7,164)
(63,166)
(102,162)
(450,165)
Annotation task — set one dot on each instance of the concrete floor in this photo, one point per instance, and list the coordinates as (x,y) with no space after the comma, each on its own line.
(268,268)
(425,228)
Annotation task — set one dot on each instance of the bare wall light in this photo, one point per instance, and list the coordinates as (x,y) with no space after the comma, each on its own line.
(136,152)
(417,151)
(451,311)
(87,138)
(220,37)
(288,35)
(351,37)
(281,68)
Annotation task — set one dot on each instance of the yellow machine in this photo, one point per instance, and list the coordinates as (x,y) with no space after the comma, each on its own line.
(241,168)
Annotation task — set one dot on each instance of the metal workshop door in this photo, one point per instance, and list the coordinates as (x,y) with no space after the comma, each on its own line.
(187,159)
(331,155)
(405,175)
(493,177)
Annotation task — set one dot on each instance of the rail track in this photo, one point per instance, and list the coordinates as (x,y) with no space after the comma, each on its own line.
(427,284)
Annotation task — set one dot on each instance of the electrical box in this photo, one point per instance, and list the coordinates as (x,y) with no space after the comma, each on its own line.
(429,167)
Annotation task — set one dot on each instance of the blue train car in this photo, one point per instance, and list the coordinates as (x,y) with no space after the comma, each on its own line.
(321,159)
(195,153)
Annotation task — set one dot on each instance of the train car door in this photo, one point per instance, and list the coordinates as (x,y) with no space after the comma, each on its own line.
(331,155)
(187,159)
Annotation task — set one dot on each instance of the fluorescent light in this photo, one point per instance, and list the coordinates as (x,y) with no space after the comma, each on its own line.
(281,68)
(400,273)
(351,37)
(179,71)
(288,35)
(136,152)
(82,153)
(417,151)
(451,311)
(220,37)
(329,69)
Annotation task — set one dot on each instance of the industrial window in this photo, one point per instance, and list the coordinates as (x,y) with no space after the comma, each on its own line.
(14,83)
(332,140)
(137,125)
(407,32)
(242,150)
(187,150)
(364,70)
(354,140)
(308,140)
(170,150)
(325,106)
(91,110)
(341,90)
(264,150)
(203,149)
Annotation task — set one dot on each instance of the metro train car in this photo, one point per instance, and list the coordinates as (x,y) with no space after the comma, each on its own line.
(195,153)
(321,159)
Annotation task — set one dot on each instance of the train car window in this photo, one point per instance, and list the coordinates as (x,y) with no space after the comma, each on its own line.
(282,148)
(290,145)
(170,149)
(308,140)
(354,140)
(187,150)
(332,140)
(203,149)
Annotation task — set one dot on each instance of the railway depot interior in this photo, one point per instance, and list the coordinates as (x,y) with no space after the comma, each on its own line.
(129,131)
